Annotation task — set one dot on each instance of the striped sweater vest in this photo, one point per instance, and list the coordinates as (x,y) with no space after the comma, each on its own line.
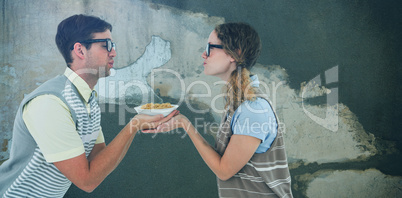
(264,175)
(26,173)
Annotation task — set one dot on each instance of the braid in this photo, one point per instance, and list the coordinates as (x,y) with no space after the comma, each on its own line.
(242,43)
(239,88)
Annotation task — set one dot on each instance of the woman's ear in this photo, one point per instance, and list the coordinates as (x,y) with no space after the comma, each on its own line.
(238,52)
(232,60)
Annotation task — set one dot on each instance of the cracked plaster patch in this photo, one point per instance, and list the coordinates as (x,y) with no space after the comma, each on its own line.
(352,183)
(306,139)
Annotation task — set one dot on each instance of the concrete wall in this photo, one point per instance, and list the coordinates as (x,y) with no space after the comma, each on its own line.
(330,69)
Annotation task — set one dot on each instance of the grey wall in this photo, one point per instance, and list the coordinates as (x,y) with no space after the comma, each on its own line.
(330,69)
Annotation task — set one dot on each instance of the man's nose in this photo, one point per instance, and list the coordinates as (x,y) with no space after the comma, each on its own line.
(113,53)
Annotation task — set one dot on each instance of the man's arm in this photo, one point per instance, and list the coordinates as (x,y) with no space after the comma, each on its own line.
(49,121)
(87,174)
(97,148)
(99,145)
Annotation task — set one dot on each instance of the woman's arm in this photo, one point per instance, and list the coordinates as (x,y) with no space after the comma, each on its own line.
(238,152)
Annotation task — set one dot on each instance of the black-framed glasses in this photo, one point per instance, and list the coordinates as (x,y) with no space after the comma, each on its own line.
(212,45)
(109,43)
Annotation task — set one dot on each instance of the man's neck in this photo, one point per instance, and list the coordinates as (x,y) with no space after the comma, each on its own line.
(90,76)
(91,81)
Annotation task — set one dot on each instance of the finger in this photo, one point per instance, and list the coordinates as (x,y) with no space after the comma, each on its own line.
(165,127)
(159,129)
(149,131)
(165,119)
(174,113)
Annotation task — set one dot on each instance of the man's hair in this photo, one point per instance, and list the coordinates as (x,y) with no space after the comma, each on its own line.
(78,28)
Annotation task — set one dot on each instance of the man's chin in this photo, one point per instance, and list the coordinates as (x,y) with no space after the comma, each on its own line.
(104,75)
(108,72)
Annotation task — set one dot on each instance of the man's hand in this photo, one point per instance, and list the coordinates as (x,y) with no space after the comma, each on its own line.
(147,122)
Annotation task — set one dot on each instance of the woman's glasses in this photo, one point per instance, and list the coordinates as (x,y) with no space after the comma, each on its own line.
(212,45)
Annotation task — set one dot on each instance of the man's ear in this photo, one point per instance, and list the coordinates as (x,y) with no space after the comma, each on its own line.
(79,50)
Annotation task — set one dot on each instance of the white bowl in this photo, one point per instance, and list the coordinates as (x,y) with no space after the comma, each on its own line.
(165,112)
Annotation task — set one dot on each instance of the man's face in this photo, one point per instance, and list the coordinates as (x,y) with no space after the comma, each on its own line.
(98,58)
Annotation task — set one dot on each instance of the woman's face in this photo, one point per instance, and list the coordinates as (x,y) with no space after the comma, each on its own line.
(218,63)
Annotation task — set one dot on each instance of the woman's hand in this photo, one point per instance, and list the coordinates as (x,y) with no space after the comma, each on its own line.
(147,122)
(178,121)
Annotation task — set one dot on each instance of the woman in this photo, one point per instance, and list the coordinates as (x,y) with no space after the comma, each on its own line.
(249,157)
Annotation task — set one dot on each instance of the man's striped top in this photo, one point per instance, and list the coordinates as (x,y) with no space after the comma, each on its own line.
(27,173)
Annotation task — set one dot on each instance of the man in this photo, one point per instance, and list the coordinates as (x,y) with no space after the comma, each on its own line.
(57,138)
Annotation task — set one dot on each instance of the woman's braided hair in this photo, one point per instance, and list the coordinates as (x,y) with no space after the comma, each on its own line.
(243,44)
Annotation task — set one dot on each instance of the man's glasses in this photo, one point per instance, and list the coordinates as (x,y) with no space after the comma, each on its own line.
(109,43)
(212,45)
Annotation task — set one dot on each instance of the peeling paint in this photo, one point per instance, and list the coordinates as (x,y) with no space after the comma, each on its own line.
(4,145)
(5,141)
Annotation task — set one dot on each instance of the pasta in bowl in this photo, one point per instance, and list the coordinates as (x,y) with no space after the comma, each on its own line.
(156,108)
